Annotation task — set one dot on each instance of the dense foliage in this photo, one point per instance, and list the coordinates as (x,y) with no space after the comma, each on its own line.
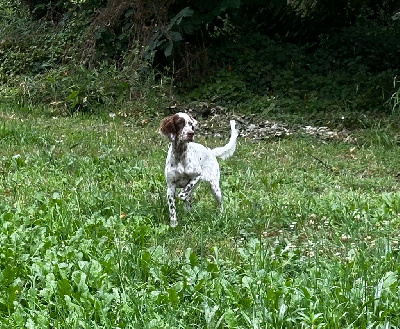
(60,52)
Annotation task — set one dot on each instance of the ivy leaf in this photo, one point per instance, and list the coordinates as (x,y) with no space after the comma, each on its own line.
(175,36)
(168,50)
(64,287)
(185,12)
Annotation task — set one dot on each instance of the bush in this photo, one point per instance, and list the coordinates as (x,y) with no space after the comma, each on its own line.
(75,88)
(226,87)
(41,64)
(353,67)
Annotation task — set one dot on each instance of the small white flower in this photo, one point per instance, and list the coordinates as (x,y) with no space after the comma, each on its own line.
(345,237)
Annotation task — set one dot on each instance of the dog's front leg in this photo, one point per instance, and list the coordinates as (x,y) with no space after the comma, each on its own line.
(171,206)
(184,195)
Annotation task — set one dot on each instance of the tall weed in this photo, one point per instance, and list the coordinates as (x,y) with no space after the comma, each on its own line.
(395,99)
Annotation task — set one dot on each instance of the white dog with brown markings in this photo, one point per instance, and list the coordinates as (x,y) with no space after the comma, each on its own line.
(188,163)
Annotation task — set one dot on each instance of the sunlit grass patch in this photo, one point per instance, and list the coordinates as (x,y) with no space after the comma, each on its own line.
(308,235)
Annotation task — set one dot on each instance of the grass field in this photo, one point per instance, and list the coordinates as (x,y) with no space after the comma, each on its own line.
(308,237)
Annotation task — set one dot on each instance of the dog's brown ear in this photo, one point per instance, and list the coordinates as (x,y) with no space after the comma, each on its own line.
(167,127)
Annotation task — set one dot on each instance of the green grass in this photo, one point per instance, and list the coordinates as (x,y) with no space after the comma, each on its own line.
(308,237)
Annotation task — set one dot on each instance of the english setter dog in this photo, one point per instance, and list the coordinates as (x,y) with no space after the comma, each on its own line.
(188,163)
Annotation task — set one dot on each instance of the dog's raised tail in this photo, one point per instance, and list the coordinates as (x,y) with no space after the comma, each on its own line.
(226,151)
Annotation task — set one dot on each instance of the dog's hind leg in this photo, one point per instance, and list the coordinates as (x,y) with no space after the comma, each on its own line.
(216,192)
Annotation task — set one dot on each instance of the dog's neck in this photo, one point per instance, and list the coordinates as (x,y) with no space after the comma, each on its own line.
(179,149)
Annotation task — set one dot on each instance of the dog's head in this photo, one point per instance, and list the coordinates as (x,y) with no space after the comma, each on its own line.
(179,125)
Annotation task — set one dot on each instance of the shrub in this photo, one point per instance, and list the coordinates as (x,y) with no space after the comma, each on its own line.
(41,63)
(353,67)
(226,87)
(76,88)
